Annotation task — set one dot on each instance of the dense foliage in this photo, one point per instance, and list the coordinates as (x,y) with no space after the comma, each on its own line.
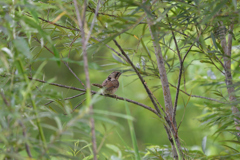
(43,111)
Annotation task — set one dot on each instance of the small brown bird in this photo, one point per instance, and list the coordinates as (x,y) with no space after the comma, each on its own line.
(111,84)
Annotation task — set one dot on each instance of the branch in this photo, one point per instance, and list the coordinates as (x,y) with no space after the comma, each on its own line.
(180,71)
(230,35)
(111,49)
(139,75)
(81,23)
(228,75)
(162,71)
(154,31)
(216,66)
(94,92)
(74,29)
(63,62)
(65,98)
(179,80)
(198,96)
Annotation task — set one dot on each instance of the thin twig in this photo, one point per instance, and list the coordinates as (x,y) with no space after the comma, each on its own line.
(216,66)
(4,99)
(180,70)
(73,73)
(211,99)
(111,49)
(66,64)
(220,63)
(25,136)
(179,80)
(44,46)
(92,24)
(157,101)
(74,29)
(78,105)
(71,44)
(65,98)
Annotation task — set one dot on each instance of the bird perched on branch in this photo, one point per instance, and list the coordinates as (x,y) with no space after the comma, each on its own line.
(111,84)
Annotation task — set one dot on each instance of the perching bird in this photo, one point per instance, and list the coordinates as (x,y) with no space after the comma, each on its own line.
(111,84)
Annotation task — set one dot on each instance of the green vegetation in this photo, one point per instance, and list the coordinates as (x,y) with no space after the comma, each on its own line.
(179,89)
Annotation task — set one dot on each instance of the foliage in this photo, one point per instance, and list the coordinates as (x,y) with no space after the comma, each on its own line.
(42,40)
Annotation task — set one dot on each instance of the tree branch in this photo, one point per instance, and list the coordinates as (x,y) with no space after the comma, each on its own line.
(153,29)
(179,80)
(139,76)
(81,23)
(228,75)
(66,64)
(211,99)
(65,98)
(94,92)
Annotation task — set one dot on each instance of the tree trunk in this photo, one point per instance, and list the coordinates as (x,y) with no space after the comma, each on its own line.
(227,48)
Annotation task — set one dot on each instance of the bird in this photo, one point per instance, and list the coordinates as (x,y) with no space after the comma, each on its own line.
(111,84)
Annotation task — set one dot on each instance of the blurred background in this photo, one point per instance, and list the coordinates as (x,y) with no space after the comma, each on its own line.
(38,36)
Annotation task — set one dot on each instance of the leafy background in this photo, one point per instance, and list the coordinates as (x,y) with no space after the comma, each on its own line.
(32,47)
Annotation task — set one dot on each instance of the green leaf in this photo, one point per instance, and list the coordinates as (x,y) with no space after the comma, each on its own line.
(145,48)
(56,54)
(203,44)
(203,61)
(204,143)
(115,149)
(117,58)
(214,41)
(220,47)
(22,46)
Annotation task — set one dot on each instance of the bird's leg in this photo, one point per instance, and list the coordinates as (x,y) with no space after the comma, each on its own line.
(115,96)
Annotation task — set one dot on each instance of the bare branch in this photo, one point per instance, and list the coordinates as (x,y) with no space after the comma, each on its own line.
(112,49)
(73,73)
(65,98)
(165,86)
(216,66)
(179,80)
(94,18)
(74,29)
(230,35)
(211,99)
(228,75)
(94,92)
(139,75)
(85,60)
(66,64)
(78,105)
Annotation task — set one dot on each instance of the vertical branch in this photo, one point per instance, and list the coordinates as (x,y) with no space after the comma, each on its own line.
(179,81)
(81,23)
(165,85)
(227,48)
(180,72)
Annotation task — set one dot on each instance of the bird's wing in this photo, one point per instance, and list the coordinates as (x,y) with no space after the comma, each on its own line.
(104,84)
(113,84)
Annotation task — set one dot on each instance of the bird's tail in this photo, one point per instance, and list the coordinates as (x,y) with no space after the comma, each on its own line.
(97,85)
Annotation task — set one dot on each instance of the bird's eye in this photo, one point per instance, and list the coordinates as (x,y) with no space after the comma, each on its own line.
(109,78)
